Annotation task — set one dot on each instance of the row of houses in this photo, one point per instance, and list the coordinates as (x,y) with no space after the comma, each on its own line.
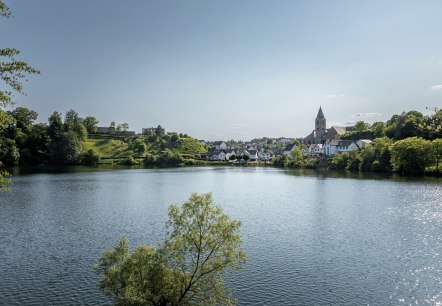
(221,151)
(334,146)
(331,147)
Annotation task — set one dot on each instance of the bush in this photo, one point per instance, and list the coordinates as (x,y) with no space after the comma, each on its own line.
(128,161)
(90,158)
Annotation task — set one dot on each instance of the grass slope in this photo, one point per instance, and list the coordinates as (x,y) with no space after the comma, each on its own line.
(117,148)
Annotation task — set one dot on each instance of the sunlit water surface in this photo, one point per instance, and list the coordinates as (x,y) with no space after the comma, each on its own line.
(310,238)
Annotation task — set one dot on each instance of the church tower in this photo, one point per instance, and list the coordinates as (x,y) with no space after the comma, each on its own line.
(320,124)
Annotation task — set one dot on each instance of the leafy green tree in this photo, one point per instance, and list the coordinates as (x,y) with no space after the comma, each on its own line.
(433,124)
(167,157)
(340,161)
(23,117)
(90,158)
(361,127)
(201,245)
(73,122)
(56,127)
(90,123)
(9,153)
(35,148)
(149,159)
(13,74)
(378,129)
(410,155)
(159,131)
(354,160)
(436,152)
(405,125)
(125,127)
(69,149)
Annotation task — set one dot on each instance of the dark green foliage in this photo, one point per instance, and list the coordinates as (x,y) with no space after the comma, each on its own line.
(405,125)
(168,157)
(90,123)
(69,149)
(9,154)
(73,123)
(159,131)
(138,145)
(281,160)
(129,161)
(340,161)
(149,159)
(410,155)
(13,74)
(90,158)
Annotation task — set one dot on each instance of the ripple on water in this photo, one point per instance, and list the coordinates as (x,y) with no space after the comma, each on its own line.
(309,241)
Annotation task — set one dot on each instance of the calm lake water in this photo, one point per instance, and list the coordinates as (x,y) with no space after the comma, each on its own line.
(311,238)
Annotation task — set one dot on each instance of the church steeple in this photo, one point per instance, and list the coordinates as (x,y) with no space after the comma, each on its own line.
(320,124)
(320,114)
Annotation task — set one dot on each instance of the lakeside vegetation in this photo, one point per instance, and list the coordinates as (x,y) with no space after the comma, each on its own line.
(72,141)
(409,143)
(201,244)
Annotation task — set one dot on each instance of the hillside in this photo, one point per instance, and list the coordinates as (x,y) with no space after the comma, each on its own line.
(115,149)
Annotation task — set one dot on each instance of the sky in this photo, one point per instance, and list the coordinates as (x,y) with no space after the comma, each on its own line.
(220,70)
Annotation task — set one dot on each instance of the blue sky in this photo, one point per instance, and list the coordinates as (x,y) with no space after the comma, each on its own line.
(229,69)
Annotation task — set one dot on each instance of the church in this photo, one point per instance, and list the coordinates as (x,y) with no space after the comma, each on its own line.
(321,134)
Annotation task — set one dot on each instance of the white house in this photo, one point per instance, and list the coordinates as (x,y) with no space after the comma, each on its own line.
(216,155)
(220,145)
(315,150)
(347,146)
(331,147)
(229,152)
(265,155)
(253,154)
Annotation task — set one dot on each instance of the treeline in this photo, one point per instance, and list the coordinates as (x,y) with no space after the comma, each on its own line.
(405,125)
(62,139)
(409,143)
(24,142)
(412,155)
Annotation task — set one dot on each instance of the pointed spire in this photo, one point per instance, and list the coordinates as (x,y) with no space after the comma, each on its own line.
(320,114)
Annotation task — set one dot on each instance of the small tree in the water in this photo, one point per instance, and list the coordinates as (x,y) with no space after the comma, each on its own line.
(201,244)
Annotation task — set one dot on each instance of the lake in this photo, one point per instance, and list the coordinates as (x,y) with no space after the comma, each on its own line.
(311,238)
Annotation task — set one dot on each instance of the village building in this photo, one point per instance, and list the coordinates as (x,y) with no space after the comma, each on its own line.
(321,134)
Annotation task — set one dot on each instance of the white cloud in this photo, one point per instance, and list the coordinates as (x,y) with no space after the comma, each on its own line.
(333,96)
(436,87)
(366,115)
(345,123)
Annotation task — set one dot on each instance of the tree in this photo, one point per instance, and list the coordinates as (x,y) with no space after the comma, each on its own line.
(23,117)
(159,131)
(73,122)
(201,245)
(90,158)
(436,152)
(90,123)
(125,127)
(13,73)
(432,124)
(410,155)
